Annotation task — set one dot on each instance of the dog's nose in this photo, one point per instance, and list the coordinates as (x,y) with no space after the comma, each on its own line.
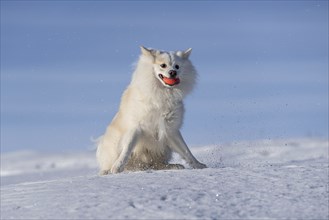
(173,73)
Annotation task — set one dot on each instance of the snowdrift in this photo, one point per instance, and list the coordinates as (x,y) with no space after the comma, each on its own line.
(276,179)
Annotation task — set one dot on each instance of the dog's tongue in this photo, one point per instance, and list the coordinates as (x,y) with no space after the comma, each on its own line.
(171,81)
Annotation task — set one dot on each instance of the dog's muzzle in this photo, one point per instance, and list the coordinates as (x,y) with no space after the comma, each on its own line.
(173,80)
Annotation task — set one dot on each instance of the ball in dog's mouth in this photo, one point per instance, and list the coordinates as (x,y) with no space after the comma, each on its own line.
(169,81)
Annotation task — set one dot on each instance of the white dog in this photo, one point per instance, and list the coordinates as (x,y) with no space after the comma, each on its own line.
(145,131)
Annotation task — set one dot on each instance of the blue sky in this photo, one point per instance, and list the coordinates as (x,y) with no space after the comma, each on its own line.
(263,68)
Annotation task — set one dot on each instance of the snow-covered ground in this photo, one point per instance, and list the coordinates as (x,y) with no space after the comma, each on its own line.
(268,179)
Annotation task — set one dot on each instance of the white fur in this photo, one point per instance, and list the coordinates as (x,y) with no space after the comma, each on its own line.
(145,131)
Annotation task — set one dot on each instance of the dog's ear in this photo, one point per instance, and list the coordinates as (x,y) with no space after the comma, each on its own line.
(187,53)
(147,52)
(184,54)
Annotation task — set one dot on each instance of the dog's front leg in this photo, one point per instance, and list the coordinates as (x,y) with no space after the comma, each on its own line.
(177,143)
(127,142)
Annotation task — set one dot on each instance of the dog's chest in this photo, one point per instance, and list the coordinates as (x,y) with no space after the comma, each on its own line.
(161,118)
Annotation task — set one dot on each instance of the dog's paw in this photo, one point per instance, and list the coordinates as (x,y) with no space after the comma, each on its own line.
(103,172)
(174,167)
(117,168)
(198,165)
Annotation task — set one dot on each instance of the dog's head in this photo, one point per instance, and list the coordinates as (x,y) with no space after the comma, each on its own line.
(168,67)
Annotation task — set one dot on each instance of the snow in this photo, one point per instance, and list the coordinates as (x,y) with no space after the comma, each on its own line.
(264,179)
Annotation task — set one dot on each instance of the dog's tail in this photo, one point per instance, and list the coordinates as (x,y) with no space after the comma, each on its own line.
(96,142)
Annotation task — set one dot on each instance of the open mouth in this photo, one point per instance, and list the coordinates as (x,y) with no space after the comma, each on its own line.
(169,81)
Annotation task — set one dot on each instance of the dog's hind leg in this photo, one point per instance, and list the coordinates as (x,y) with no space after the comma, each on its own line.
(106,155)
(128,142)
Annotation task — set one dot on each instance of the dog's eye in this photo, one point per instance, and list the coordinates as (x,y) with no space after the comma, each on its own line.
(176,66)
(163,65)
